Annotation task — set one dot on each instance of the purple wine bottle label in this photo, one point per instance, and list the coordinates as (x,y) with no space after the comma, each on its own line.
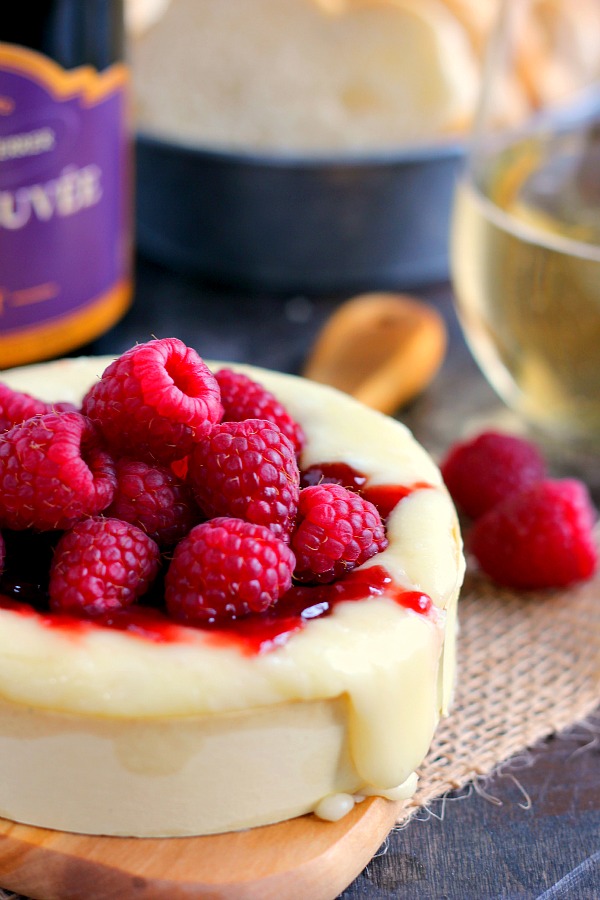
(65,204)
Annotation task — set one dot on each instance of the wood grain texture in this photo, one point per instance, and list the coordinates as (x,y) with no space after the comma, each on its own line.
(303,857)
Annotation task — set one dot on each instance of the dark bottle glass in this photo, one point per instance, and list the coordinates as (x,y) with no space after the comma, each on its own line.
(65,176)
(71,32)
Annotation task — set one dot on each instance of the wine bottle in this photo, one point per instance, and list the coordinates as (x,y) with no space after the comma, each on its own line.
(65,177)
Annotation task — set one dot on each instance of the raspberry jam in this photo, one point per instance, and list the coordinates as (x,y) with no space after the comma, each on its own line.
(333,473)
(301,604)
(253,634)
(31,553)
(385,497)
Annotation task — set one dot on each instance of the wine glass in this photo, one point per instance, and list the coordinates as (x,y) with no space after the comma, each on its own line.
(525,243)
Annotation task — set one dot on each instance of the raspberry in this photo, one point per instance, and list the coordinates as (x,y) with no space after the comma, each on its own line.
(247,470)
(227,568)
(53,472)
(539,537)
(337,530)
(100,566)
(484,470)
(243,398)
(16,406)
(155,500)
(158,398)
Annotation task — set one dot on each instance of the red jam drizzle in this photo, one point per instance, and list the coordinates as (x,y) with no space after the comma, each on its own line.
(302,603)
(143,621)
(253,634)
(333,473)
(385,497)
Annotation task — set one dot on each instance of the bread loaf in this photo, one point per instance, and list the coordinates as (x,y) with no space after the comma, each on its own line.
(321,76)
(305,75)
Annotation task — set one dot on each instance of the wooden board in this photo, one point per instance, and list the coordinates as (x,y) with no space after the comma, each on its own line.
(301,858)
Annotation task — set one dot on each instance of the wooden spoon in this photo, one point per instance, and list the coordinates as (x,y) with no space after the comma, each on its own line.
(383,348)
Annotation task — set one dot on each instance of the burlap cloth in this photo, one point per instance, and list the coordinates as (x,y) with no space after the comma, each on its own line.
(528,666)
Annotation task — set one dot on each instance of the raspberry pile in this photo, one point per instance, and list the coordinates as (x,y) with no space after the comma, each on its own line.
(169,471)
(529,531)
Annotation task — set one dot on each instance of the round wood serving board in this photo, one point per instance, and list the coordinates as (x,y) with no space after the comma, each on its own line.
(304,857)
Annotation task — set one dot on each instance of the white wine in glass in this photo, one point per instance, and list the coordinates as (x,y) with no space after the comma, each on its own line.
(526,230)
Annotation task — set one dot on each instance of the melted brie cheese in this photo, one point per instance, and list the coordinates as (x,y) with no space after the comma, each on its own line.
(130,736)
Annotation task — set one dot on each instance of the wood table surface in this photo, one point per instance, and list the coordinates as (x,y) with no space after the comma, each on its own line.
(536,832)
